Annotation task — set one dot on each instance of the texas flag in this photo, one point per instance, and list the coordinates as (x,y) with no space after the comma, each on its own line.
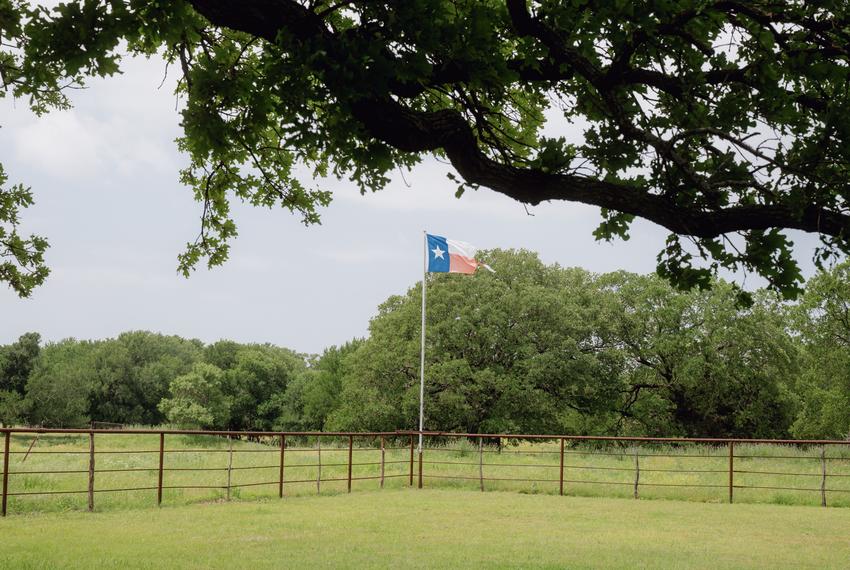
(452,256)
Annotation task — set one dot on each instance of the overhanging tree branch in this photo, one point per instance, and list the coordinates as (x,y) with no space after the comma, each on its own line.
(416,131)
(670,100)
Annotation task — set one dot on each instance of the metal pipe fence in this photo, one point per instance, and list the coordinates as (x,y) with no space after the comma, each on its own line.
(41,463)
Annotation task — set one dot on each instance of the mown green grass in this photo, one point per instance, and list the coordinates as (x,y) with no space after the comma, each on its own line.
(432,528)
(684,472)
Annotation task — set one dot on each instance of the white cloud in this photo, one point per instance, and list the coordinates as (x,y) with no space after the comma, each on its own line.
(70,145)
(61,146)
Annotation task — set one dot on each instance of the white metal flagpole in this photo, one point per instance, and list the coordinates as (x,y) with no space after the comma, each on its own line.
(422,349)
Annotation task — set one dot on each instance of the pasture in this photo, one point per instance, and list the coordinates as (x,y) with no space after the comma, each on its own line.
(432,528)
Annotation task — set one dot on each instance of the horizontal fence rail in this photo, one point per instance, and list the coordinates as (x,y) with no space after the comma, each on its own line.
(46,469)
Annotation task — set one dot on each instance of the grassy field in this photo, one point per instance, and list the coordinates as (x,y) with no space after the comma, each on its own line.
(693,473)
(435,529)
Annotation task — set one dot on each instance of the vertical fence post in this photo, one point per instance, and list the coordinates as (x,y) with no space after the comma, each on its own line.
(5,470)
(637,471)
(282,460)
(823,476)
(411,461)
(91,470)
(350,450)
(382,461)
(319,465)
(229,465)
(731,470)
(561,476)
(159,474)
(481,463)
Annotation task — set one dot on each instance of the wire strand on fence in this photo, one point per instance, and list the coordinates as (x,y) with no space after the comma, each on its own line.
(49,452)
(126,489)
(689,485)
(125,470)
(476,478)
(778,473)
(777,488)
(56,472)
(792,457)
(194,469)
(253,484)
(124,451)
(194,487)
(21,493)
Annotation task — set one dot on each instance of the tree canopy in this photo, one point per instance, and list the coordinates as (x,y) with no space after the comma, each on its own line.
(546,349)
(722,121)
(146,378)
(823,319)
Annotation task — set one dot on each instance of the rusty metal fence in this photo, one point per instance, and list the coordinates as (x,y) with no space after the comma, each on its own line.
(734,464)
(709,468)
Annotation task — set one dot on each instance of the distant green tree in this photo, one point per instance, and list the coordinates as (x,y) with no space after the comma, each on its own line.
(125,379)
(222,353)
(698,364)
(316,393)
(256,382)
(12,408)
(823,390)
(198,399)
(16,363)
(511,352)
(132,373)
(59,388)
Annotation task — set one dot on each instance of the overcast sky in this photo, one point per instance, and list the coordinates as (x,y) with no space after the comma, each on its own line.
(105,179)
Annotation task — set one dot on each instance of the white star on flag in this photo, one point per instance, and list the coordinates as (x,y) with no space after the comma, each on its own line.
(438,253)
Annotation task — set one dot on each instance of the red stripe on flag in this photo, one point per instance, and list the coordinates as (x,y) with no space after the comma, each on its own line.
(461,264)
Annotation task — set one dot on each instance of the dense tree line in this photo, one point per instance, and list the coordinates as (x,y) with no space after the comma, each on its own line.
(145,378)
(532,348)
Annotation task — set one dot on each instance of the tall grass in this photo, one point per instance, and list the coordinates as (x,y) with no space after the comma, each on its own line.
(197,468)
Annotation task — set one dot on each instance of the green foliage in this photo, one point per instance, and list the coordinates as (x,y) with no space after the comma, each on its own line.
(237,387)
(131,374)
(723,122)
(314,394)
(16,363)
(543,349)
(12,408)
(823,319)
(22,264)
(255,384)
(698,364)
(59,387)
(197,399)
